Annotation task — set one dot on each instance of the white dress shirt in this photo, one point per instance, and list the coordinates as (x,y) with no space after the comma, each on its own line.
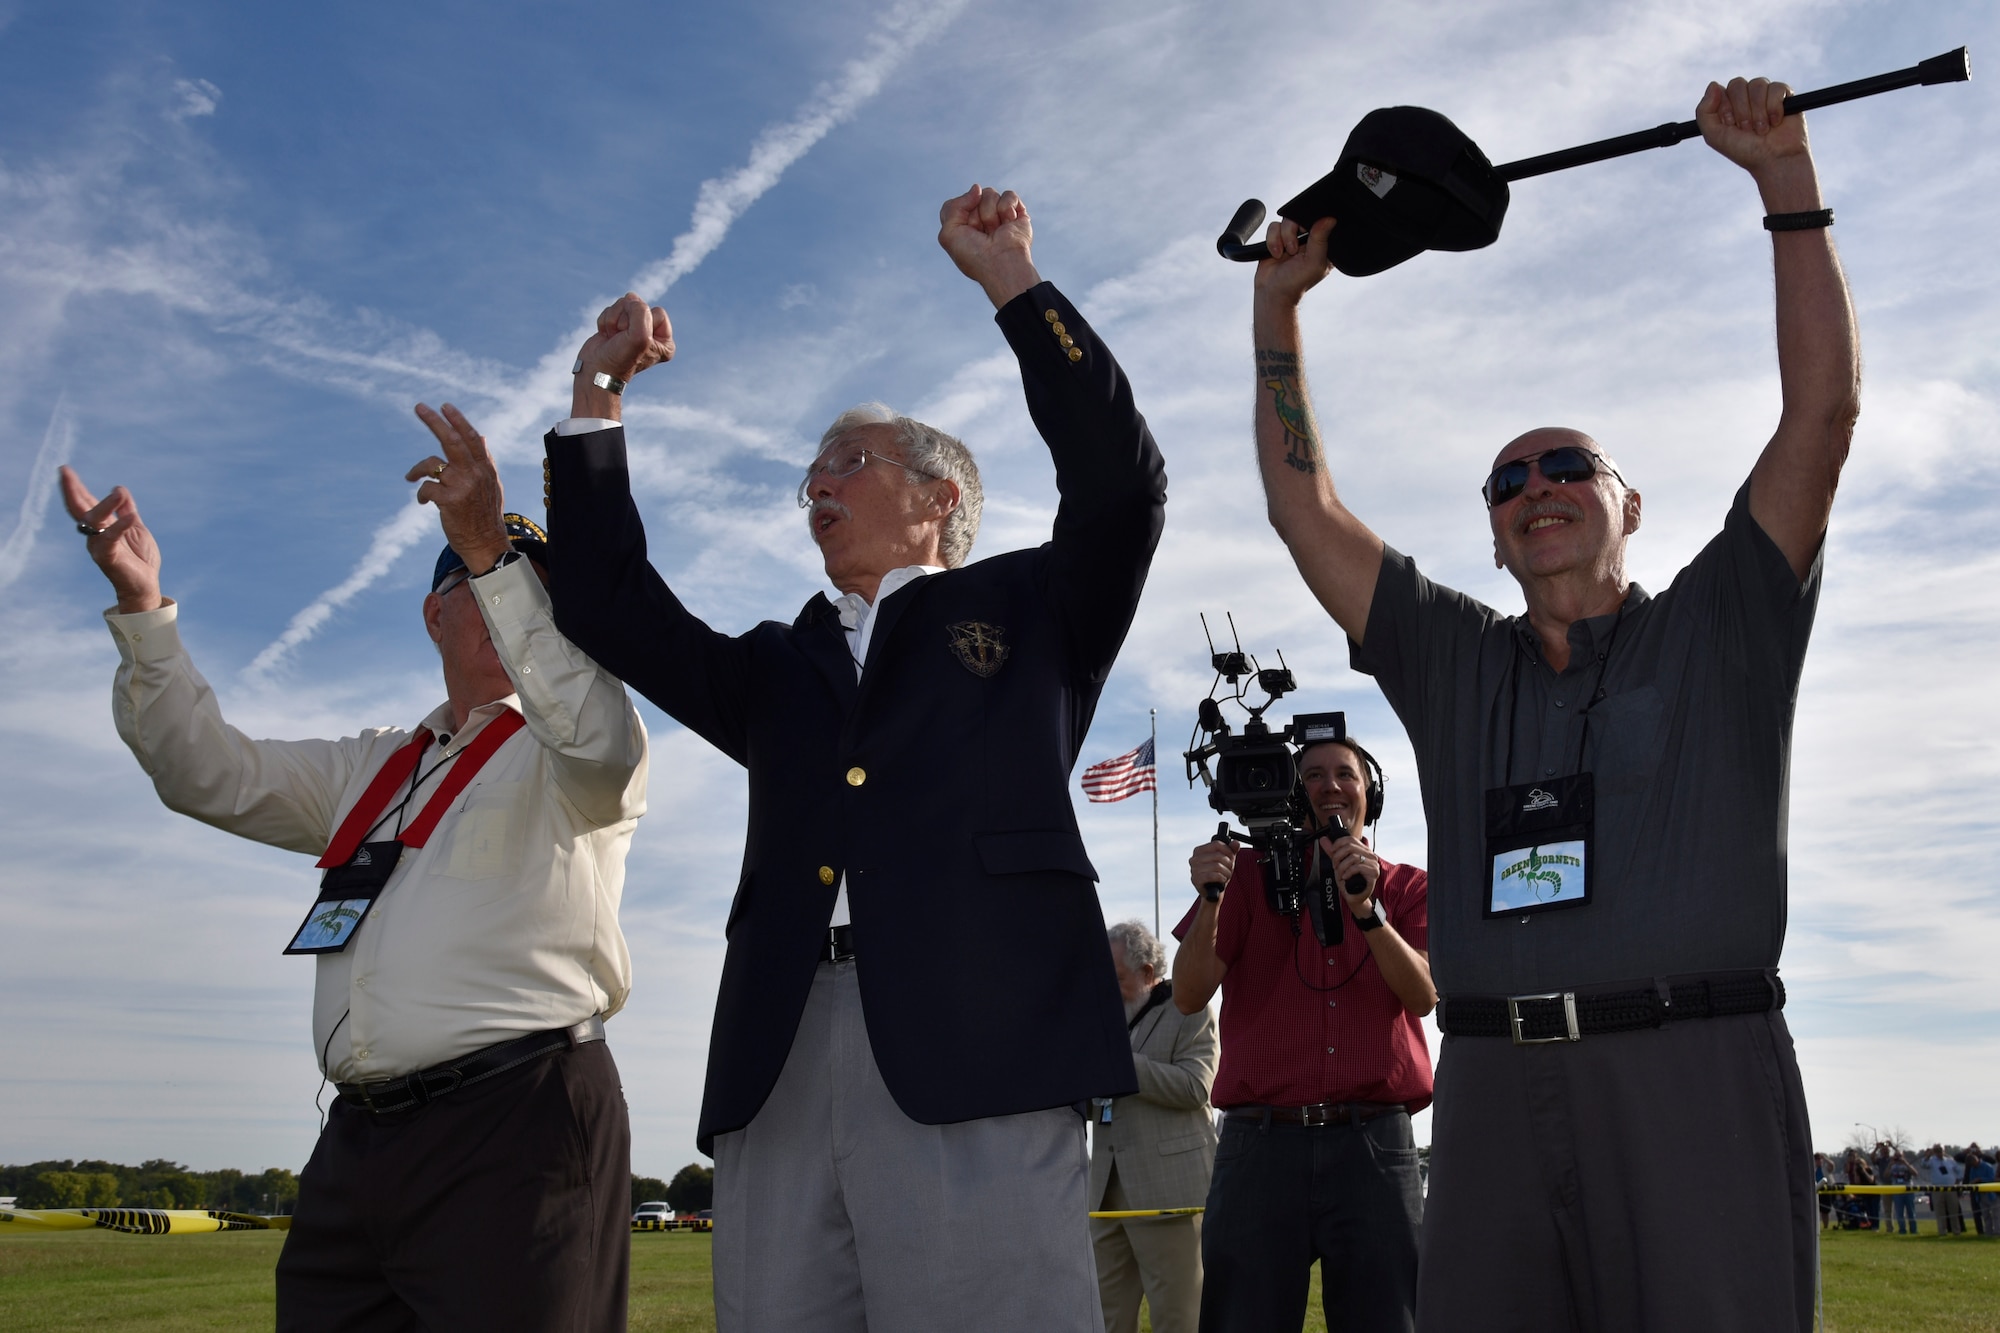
(857,618)
(506,921)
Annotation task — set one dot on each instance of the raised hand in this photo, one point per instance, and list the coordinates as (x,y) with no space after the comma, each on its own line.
(630,337)
(465,486)
(1294,267)
(1746,123)
(990,237)
(118,541)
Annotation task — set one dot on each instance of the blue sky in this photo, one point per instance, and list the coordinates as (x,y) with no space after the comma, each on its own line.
(236,244)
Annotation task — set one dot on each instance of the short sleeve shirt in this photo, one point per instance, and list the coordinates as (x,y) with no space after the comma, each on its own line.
(1681,705)
(1302,1024)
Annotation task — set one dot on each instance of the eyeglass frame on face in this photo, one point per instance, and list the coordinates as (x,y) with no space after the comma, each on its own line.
(1532,463)
(862,455)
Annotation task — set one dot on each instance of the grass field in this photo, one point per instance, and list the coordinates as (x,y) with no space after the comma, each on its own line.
(107,1283)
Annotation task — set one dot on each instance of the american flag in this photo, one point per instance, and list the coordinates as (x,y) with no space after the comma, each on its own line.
(1127,775)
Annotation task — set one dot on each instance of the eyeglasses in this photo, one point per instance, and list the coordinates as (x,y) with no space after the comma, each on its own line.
(451,581)
(845,462)
(1563,465)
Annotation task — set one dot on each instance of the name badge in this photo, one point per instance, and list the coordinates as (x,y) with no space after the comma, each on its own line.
(1538,841)
(346,892)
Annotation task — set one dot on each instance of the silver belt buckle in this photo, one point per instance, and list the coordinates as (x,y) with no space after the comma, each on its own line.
(1569,1018)
(1316,1114)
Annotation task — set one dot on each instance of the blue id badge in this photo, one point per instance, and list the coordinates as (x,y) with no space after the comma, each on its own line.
(345,894)
(1538,838)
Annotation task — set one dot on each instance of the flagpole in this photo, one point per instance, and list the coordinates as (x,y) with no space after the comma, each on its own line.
(1155,713)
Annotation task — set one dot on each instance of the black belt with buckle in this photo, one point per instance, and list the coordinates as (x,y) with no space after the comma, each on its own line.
(1319,1113)
(427,1085)
(1531,1020)
(839,946)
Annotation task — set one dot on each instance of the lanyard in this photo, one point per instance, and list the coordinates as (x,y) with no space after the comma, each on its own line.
(401,765)
(1513,693)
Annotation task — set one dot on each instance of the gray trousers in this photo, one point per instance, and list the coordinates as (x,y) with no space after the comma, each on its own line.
(1155,1257)
(1574,1186)
(835,1211)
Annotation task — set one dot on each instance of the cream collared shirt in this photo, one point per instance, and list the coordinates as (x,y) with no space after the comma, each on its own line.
(506,921)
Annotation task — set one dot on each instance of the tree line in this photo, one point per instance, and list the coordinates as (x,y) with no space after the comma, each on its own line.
(163,1184)
(691,1190)
(158,1183)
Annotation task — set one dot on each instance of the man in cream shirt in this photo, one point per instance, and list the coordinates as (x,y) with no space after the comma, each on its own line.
(474,1168)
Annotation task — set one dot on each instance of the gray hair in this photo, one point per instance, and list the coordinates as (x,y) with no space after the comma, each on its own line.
(1141,949)
(927,452)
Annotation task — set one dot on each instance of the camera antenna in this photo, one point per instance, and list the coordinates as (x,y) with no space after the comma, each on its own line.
(1231,667)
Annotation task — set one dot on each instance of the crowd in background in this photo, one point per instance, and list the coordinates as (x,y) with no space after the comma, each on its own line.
(1937,1167)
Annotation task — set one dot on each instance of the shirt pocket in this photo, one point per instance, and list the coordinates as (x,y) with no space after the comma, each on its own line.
(1627,744)
(485,834)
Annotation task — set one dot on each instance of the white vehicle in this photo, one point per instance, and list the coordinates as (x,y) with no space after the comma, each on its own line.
(653,1212)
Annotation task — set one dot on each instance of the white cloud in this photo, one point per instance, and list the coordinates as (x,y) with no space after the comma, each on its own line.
(57,441)
(194,97)
(541,392)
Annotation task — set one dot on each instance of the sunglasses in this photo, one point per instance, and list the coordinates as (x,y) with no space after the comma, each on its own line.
(1562,466)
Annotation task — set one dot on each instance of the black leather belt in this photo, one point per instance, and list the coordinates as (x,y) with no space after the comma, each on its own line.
(1319,1113)
(426,1085)
(839,944)
(1531,1020)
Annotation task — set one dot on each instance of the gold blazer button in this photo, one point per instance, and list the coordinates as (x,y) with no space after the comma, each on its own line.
(826,874)
(856,776)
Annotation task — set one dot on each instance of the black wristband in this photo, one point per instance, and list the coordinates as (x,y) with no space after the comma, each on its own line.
(1818,217)
(506,559)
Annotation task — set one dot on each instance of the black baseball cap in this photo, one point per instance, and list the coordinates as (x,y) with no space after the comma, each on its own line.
(1408,180)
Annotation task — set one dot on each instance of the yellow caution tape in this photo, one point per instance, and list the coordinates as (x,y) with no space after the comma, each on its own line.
(678,1224)
(1909,1189)
(138,1221)
(1150,1212)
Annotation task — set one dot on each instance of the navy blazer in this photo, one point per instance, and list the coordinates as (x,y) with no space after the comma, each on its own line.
(938,784)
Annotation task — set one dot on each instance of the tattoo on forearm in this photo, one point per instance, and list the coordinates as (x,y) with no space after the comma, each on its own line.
(1279,372)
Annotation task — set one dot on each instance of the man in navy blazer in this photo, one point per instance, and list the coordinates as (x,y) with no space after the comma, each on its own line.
(893,1127)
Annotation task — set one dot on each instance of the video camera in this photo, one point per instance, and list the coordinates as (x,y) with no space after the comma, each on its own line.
(1256,779)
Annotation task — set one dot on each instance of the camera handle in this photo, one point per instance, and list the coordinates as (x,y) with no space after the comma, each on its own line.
(1223,833)
(1356,885)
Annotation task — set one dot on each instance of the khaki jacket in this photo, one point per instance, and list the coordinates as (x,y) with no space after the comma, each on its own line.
(1163,1138)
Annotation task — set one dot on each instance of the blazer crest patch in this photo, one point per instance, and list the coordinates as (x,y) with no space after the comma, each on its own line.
(979,647)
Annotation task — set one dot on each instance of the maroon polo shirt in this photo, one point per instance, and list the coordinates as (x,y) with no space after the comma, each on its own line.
(1287,1044)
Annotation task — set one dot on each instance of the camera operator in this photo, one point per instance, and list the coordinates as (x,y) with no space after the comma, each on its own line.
(1323,1063)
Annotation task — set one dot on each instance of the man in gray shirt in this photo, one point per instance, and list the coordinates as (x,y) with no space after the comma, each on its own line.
(1605,785)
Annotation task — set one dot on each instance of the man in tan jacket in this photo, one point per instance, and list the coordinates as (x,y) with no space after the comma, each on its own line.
(1153,1149)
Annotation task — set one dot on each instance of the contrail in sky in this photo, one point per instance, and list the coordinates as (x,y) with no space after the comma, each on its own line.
(514,423)
(57,440)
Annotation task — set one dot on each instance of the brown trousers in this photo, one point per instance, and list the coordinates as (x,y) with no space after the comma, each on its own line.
(503,1206)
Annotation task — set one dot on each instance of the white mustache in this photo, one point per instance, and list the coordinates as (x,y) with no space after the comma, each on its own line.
(829,504)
